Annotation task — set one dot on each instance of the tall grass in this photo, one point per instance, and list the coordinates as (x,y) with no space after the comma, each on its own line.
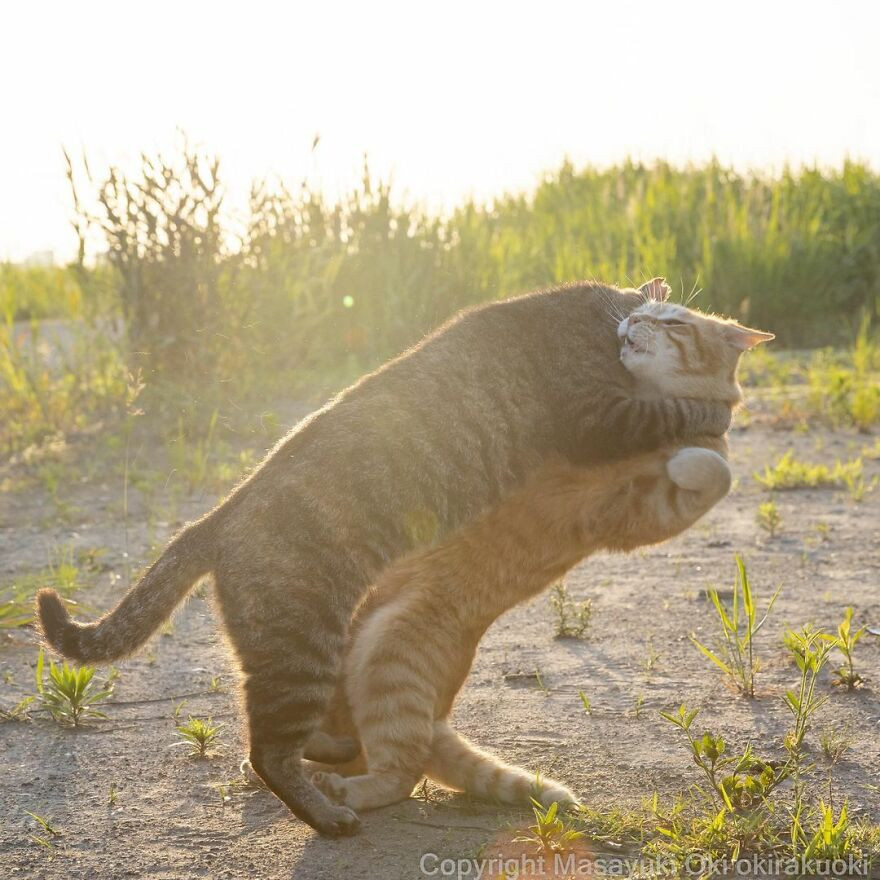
(307,289)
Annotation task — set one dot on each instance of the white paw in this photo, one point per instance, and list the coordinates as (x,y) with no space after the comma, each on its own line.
(331,784)
(555,792)
(249,773)
(699,470)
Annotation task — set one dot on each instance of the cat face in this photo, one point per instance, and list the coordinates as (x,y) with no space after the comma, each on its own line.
(673,350)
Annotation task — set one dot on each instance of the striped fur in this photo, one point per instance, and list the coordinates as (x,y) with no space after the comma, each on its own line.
(401,459)
(416,634)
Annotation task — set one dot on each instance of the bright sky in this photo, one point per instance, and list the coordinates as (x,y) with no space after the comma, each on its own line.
(452,99)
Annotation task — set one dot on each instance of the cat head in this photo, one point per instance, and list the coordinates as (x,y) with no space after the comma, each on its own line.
(674,350)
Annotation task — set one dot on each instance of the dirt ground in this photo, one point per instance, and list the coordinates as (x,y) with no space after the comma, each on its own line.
(170,820)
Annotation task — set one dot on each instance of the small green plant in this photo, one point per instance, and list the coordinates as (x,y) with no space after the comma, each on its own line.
(835,742)
(69,693)
(830,841)
(769,518)
(19,712)
(112,795)
(810,654)
(48,839)
(200,736)
(736,781)
(638,705)
(193,457)
(739,626)
(572,618)
(652,655)
(551,833)
(845,641)
(17,599)
(423,792)
(585,701)
(857,486)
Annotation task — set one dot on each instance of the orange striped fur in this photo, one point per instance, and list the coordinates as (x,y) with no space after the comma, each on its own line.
(415,635)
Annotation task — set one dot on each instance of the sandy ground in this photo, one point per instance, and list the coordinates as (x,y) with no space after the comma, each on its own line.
(169,819)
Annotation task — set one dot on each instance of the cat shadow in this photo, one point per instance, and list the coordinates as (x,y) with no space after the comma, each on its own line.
(392,841)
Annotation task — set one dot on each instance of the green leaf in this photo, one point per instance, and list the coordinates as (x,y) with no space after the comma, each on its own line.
(715,659)
(39,673)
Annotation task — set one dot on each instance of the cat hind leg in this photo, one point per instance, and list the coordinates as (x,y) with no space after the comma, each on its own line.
(289,660)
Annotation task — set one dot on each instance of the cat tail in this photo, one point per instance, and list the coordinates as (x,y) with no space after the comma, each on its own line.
(458,763)
(142,610)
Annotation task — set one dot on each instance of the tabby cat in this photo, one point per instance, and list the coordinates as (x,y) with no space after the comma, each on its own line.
(403,457)
(416,634)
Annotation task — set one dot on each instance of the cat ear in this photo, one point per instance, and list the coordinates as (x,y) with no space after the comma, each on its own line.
(656,290)
(744,338)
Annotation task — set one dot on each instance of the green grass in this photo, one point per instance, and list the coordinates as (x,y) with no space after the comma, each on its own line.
(43,395)
(318,292)
(739,625)
(62,573)
(844,387)
(741,803)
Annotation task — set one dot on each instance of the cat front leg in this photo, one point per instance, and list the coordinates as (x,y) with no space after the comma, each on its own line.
(700,470)
(622,425)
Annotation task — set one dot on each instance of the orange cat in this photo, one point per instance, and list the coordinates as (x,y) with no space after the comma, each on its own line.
(414,637)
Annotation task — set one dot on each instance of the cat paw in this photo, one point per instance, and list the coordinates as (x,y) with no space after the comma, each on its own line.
(555,792)
(246,769)
(331,784)
(699,470)
(335,821)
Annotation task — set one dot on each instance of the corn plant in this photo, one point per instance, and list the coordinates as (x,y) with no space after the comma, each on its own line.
(69,693)
(845,640)
(739,626)
(198,735)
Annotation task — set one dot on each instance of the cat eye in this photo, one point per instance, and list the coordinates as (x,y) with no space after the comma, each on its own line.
(671,322)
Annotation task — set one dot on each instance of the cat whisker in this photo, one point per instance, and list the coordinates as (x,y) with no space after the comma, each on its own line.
(695,292)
